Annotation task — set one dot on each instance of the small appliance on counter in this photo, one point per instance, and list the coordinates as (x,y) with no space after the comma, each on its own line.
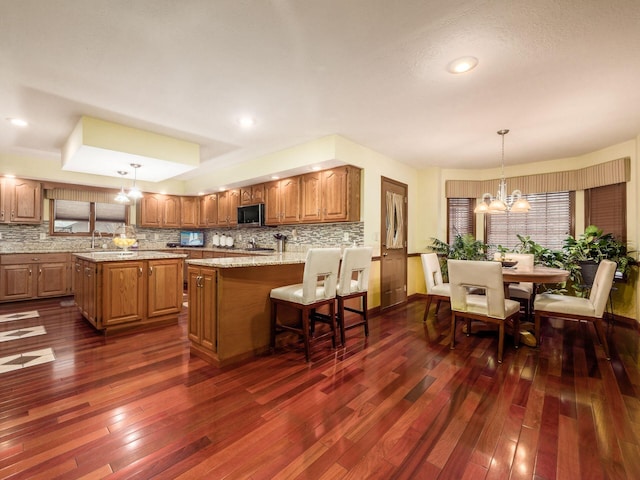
(172,244)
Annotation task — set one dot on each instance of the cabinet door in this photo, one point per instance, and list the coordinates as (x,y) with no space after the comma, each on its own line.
(89,289)
(171,209)
(122,292)
(150,211)
(335,188)
(246,196)
(16,281)
(223,209)
(24,201)
(208,297)
(311,195)
(189,211)
(290,200)
(78,291)
(271,203)
(232,206)
(257,193)
(208,210)
(164,288)
(52,279)
(194,312)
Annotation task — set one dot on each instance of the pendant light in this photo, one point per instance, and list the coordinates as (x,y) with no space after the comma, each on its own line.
(121,197)
(135,192)
(502,202)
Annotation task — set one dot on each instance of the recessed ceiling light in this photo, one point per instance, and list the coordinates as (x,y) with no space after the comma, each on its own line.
(18,122)
(9,175)
(462,65)
(315,169)
(275,177)
(246,121)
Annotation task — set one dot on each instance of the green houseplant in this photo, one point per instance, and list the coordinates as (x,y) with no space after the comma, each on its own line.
(463,247)
(583,254)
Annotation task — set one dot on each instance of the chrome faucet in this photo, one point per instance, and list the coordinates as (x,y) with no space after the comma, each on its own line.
(93,238)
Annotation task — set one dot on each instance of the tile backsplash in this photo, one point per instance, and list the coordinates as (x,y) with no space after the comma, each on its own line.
(16,238)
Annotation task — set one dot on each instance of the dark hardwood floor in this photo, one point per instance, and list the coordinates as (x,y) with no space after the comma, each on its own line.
(398,405)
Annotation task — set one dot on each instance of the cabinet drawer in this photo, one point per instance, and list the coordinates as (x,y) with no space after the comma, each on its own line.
(24,258)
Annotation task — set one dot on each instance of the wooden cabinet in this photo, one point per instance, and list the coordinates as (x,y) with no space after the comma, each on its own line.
(331,195)
(122,292)
(20,201)
(165,287)
(252,194)
(189,207)
(282,201)
(228,203)
(208,211)
(125,294)
(202,310)
(27,276)
(157,210)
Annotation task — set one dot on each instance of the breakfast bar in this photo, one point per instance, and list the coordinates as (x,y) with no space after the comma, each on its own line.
(229,311)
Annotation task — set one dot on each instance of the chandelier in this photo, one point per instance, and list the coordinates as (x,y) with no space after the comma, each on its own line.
(135,192)
(502,202)
(121,197)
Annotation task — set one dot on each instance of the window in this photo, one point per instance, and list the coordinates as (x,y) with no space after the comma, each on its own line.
(460,218)
(548,222)
(71,217)
(606,208)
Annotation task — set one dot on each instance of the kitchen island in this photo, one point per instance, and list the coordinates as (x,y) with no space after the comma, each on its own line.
(117,291)
(229,308)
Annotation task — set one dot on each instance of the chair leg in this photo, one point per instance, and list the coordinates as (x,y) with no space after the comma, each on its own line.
(340,319)
(365,314)
(516,331)
(306,332)
(601,335)
(332,319)
(453,330)
(501,341)
(437,306)
(426,310)
(536,328)
(274,307)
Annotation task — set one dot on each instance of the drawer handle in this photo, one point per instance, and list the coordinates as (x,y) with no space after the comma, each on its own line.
(150,271)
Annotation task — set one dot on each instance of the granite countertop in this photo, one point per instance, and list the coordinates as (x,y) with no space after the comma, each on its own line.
(286,258)
(113,256)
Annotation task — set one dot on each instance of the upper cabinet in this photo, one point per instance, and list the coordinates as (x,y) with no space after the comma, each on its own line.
(20,201)
(189,207)
(208,211)
(228,203)
(282,201)
(331,195)
(252,194)
(157,210)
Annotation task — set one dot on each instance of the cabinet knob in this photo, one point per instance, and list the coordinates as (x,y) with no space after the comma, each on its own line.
(150,271)
(139,271)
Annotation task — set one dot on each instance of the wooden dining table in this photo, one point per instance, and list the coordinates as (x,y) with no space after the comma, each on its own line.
(536,275)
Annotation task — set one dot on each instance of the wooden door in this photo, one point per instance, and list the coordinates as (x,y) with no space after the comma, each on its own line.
(335,194)
(52,279)
(26,201)
(189,212)
(272,203)
(290,200)
(194,312)
(122,292)
(16,281)
(208,210)
(311,197)
(164,287)
(78,291)
(208,292)
(151,209)
(393,264)
(257,193)
(246,196)
(233,203)
(171,211)
(223,209)
(90,287)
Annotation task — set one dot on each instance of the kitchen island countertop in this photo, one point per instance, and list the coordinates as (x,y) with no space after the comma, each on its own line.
(286,258)
(114,256)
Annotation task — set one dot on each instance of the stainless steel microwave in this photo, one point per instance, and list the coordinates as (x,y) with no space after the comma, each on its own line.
(251,215)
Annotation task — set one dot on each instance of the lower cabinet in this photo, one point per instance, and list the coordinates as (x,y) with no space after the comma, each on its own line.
(202,309)
(29,276)
(127,294)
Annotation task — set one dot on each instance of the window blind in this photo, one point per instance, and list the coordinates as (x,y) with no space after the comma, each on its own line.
(548,222)
(460,218)
(606,207)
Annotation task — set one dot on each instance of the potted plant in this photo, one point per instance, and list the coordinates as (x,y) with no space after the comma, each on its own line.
(463,247)
(583,254)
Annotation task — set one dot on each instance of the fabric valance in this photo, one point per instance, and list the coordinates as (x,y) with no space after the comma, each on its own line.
(80,195)
(608,173)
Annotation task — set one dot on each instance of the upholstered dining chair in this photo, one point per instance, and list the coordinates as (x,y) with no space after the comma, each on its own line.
(522,291)
(589,309)
(353,282)
(437,289)
(318,289)
(491,307)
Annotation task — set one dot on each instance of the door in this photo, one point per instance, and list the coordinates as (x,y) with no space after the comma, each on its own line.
(393,263)
(164,287)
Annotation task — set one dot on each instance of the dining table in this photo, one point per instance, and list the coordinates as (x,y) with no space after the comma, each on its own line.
(537,275)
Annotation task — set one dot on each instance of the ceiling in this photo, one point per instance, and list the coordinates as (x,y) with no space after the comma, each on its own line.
(562,76)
